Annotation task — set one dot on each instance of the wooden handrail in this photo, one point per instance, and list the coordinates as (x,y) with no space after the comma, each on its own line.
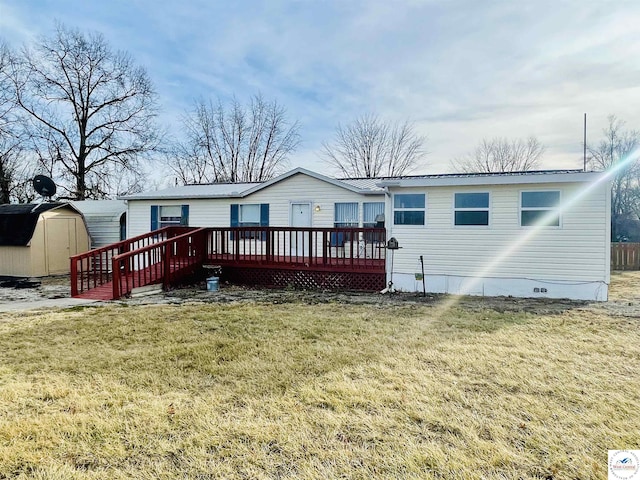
(166,250)
(98,260)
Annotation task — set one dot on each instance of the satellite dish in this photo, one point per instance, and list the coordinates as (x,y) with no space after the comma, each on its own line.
(44,186)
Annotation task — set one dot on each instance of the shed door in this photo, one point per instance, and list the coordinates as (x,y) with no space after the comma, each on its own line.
(60,244)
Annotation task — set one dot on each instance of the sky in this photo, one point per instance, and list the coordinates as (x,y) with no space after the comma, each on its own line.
(460,70)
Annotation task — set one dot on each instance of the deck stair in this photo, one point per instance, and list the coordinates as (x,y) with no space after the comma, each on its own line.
(334,258)
(163,256)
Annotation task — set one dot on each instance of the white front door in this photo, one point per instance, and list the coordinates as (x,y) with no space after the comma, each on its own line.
(300,217)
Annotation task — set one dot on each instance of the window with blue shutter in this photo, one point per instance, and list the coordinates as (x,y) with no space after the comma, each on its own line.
(169,216)
(249,215)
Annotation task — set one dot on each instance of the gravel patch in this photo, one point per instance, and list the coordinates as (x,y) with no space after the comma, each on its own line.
(624,297)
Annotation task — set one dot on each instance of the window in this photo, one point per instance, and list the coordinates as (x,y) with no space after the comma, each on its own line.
(346,215)
(540,208)
(409,209)
(249,215)
(471,209)
(370,212)
(169,216)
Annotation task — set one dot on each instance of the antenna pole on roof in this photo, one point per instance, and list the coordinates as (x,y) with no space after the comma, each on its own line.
(584,143)
(37,205)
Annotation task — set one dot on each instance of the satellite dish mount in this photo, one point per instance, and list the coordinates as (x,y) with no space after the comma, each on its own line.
(45,187)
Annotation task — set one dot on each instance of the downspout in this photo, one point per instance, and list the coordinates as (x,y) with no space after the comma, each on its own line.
(388,225)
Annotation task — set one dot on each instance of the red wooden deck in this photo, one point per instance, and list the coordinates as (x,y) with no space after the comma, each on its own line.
(346,258)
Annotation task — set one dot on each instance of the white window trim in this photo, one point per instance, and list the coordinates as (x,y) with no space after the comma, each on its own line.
(394,209)
(169,223)
(543,209)
(475,227)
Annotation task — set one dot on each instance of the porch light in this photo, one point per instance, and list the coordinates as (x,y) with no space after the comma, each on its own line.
(317,208)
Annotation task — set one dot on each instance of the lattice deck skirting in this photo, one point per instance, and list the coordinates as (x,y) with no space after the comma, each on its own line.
(304,279)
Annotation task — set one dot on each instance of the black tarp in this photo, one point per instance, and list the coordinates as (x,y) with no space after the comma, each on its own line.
(18,222)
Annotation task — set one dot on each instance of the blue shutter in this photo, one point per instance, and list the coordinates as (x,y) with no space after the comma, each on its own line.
(235,212)
(264,218)
(184,219)
(154,217)
(233,222)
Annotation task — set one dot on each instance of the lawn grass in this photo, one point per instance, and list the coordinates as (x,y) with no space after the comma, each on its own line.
(250,390)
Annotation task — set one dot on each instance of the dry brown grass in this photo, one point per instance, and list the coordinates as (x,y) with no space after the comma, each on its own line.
(323,391)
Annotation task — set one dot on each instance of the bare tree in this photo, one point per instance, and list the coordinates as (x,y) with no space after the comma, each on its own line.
(618,151)
(14,168)
(369,148)
(502,155)
(233,143)
(89,104)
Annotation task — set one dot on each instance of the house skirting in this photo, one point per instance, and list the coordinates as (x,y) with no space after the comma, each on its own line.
(495,286)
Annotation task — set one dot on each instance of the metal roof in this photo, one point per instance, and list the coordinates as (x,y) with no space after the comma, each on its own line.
(212,190)
(238,190)
(365,186)
(96,208)
(497,178)
(363,183)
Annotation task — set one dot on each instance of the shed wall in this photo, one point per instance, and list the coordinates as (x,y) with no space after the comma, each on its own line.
(15,261)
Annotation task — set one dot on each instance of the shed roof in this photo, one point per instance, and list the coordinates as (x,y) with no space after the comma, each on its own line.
(18,222)
(98,208)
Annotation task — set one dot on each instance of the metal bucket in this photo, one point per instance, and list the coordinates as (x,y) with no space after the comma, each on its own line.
(213,284)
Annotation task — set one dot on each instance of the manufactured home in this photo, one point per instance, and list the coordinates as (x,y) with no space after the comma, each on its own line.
(532,234)
(37,240)
(526,234)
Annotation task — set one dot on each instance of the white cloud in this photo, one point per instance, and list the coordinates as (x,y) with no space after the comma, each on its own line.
(462,70)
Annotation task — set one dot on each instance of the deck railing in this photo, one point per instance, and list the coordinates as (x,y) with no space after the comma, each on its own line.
(287,247)
(167,255)
(166,262)
(94,268)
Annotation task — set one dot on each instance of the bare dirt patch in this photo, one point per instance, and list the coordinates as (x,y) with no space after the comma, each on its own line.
(230,293)
(624,297)
(31,290)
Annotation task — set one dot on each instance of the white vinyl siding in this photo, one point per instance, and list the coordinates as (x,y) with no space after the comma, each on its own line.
(577,251)
(215,212)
